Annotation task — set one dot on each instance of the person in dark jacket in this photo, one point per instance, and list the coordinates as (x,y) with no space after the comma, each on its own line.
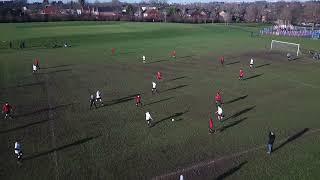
(271,140)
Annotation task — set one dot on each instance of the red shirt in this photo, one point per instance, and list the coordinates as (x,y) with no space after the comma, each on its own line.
(222,59)
(159,76)
(6,108)
(173,53)
(211,123)
(36,62)
(241,73)
(113,50)
(138,99)
(218,97)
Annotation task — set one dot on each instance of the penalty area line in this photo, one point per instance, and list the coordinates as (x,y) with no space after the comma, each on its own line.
(211,162)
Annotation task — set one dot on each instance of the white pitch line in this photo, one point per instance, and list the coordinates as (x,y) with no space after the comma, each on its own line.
(201,164)
(296,81)
(51,123)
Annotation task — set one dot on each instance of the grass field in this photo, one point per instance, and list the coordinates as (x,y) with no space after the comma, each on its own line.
(63,139)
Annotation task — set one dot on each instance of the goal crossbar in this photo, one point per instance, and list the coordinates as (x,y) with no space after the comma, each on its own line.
(288,43)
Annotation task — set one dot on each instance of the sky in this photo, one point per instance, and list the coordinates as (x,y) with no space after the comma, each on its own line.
(169,1)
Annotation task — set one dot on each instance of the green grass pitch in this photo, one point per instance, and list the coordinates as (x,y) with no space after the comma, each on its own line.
(63,139)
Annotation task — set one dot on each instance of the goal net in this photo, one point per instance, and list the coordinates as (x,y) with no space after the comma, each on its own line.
(286,47)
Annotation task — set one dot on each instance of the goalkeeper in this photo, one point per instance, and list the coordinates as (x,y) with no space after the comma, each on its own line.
(289,56)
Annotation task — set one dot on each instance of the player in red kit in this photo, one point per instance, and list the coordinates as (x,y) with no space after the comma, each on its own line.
(211,126)
(36,62)
(159,76)
(113,50)
(6,109)
(173,54)
(138,100)
(241,74)
(222,60)
(218,99)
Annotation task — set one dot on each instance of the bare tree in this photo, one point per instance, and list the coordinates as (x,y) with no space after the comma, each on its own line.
(251,13)
(226,17)
(311,12)
(82,3)
(286,14)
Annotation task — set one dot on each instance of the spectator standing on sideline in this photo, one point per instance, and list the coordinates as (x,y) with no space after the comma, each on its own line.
(271,140)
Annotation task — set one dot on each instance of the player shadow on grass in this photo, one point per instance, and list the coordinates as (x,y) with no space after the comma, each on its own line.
(175,115)
(240,113)
(235,62)
(43,153)
(166,99)
(161,60)
(24,126)
(177,87)
(44,110)
(188,56)
(229,172)
(120,100)
(58,66)
(292,138)
(236,99)
(57,71)
(252,77)
(262,65)
(25,85)
(177,78)
(231,124)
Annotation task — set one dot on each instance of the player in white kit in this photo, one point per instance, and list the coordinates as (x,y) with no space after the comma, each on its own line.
(98,97)
(149,119)
(154,87)
(251,63)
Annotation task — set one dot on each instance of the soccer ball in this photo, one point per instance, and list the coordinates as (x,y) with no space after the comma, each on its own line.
(172,119)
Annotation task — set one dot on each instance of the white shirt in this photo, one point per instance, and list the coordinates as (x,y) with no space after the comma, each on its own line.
(219,110)
(148,116)
(251,61)
(181,177)
(154,85)
(17,148)
(143,58)
(34,67)
(98,95)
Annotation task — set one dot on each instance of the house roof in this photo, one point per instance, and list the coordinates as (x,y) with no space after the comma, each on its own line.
(50,9)
(105,9)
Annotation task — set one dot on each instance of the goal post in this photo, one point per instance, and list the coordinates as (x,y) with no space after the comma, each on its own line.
(285,46)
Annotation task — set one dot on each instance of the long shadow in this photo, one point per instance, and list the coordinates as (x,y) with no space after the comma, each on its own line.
(185,56)
(297,58)
(177,87)
(60,148)
(120,100)
(157,61)
(158,101)
(127,97)
(292,138)
(175,79)
(240,112)
(25,85)
(236,99)
(43,110)
(24,126)
(236,62)
(57,71)
(232,124)
(175,115)
(231,171)
(128,52)
(268,64)
(63,65)
(251,77)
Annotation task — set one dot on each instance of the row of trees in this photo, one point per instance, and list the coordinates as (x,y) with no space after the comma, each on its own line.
(291,12)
